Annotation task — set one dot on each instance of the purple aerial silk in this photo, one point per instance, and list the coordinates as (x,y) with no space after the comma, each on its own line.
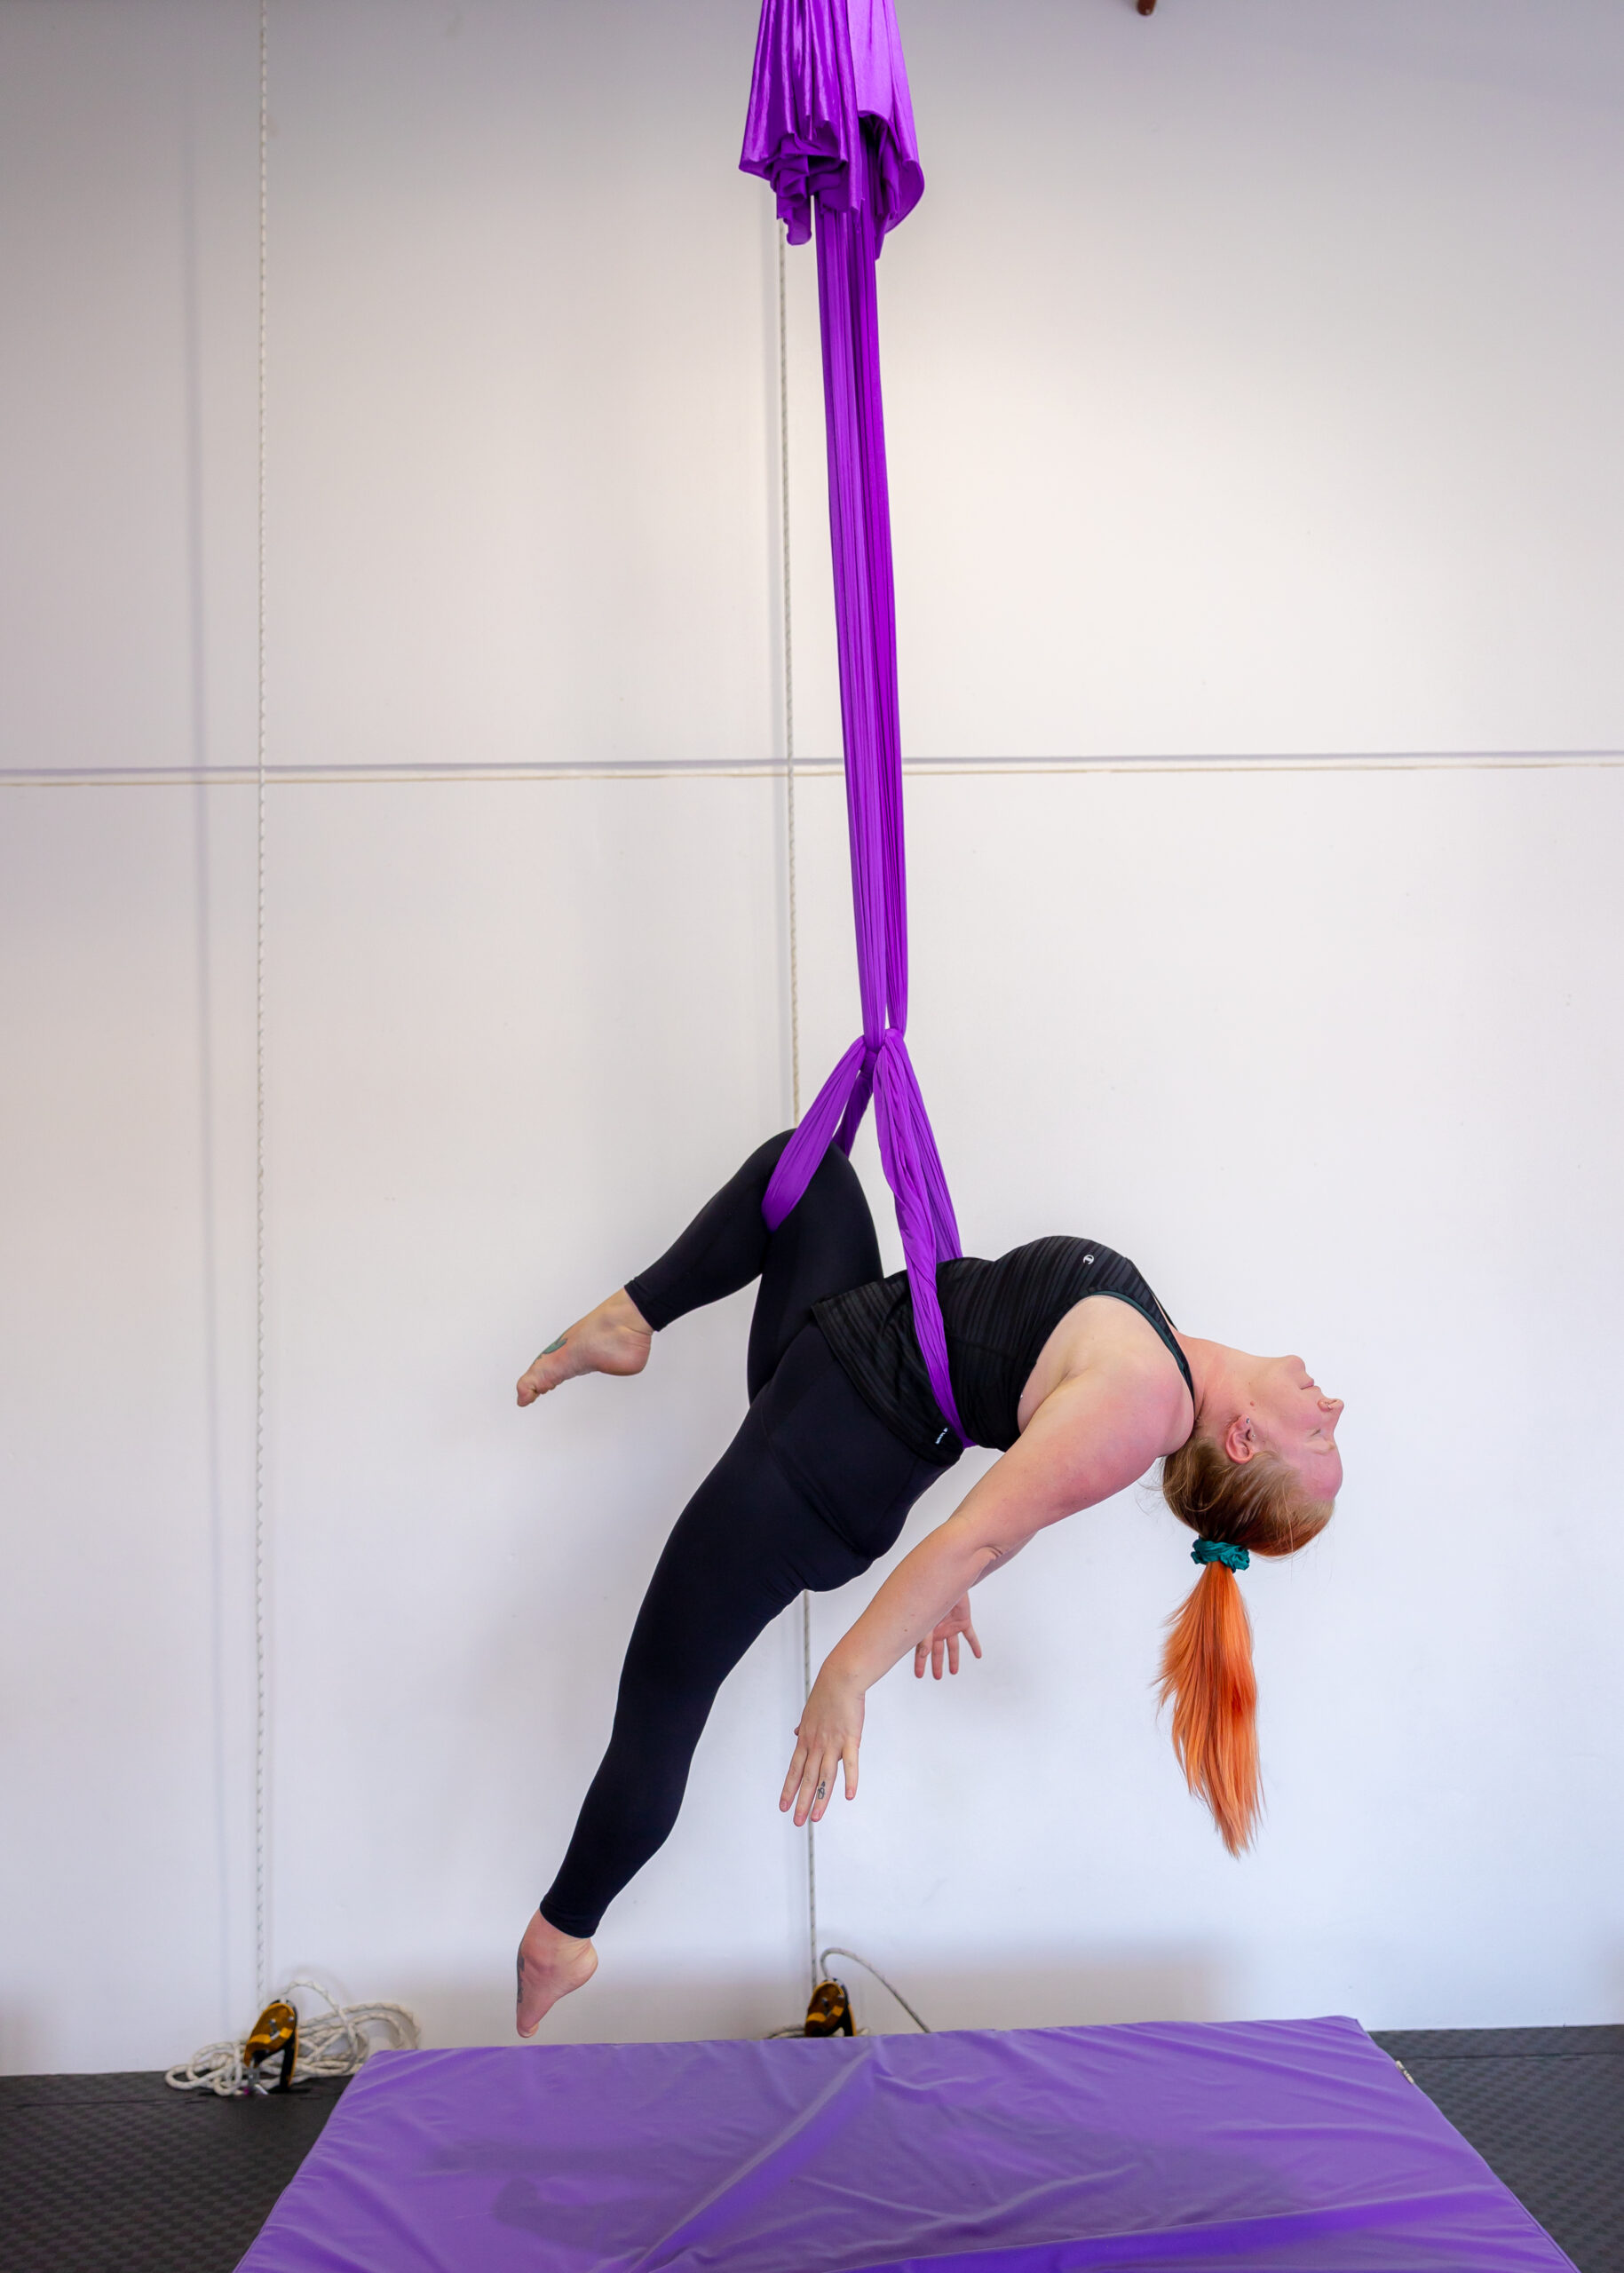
(1252,2147)
(821,68)
(831,127)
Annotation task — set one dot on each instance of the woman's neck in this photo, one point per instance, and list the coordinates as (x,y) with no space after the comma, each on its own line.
(1215,1368)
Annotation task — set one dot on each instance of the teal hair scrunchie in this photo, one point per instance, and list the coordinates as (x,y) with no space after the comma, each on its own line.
(1218,1550)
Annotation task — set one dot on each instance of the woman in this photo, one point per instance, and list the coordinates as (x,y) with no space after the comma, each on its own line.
(1060,1354)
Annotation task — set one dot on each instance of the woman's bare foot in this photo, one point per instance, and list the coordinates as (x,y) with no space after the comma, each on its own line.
(615,1338)
(550,1964)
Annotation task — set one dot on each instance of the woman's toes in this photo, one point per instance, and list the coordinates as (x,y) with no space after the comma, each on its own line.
(558,1361)
(612,1339)
(533,1384)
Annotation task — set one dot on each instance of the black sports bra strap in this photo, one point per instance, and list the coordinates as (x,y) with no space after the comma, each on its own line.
(1155,1314)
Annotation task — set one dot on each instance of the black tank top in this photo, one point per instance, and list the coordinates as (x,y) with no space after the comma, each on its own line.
(998,1317)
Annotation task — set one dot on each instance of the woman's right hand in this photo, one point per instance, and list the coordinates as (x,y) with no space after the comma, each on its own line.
(943,1642)
(830,1736)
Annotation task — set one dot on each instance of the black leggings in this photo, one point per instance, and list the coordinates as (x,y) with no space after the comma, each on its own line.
(810,1490)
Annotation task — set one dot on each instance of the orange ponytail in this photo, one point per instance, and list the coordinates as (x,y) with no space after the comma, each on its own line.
(1207,1676)
(1207,1661)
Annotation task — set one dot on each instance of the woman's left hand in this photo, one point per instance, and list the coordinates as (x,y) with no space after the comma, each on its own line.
(945,1641)
(830,1733)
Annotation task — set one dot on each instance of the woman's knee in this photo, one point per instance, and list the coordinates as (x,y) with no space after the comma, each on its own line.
(836,1178)
(759,1166)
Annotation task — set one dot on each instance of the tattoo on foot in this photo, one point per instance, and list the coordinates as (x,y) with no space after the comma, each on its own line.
(559,1344)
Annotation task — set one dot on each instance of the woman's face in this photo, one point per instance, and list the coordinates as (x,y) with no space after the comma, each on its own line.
(1295,1418)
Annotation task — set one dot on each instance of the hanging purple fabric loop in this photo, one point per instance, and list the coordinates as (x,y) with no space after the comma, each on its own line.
(815,1131)
(830,126)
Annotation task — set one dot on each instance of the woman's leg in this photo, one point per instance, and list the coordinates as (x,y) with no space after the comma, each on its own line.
(826,1245)
(811,1489)
(754,1534)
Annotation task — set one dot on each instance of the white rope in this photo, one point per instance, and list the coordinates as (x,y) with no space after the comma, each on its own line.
(811,1830)
(783,475)
(824,1955)
(261,1947)
(794,957)
(336,2043)
(820,1959)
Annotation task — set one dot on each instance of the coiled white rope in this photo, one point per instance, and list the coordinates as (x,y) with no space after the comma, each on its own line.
(335,2043)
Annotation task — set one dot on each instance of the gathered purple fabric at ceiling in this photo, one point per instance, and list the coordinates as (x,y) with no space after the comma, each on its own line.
(822,67)
(831,127)
(1255,2147)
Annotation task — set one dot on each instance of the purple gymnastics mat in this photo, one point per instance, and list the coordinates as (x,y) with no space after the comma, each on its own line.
(1294,2146)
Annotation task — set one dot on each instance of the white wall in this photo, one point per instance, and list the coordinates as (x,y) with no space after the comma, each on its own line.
(1251,377)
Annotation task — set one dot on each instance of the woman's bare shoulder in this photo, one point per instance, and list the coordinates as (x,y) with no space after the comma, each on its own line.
(1114,1342)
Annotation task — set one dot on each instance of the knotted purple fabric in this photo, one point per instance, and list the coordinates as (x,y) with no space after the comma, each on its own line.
(831,128)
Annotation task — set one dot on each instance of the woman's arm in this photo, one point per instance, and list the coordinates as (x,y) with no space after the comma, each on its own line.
(1091,1437)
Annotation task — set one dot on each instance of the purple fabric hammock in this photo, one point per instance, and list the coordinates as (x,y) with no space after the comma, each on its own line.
(831,127)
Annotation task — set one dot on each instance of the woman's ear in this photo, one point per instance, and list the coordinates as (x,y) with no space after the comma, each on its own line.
(1240,1438)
